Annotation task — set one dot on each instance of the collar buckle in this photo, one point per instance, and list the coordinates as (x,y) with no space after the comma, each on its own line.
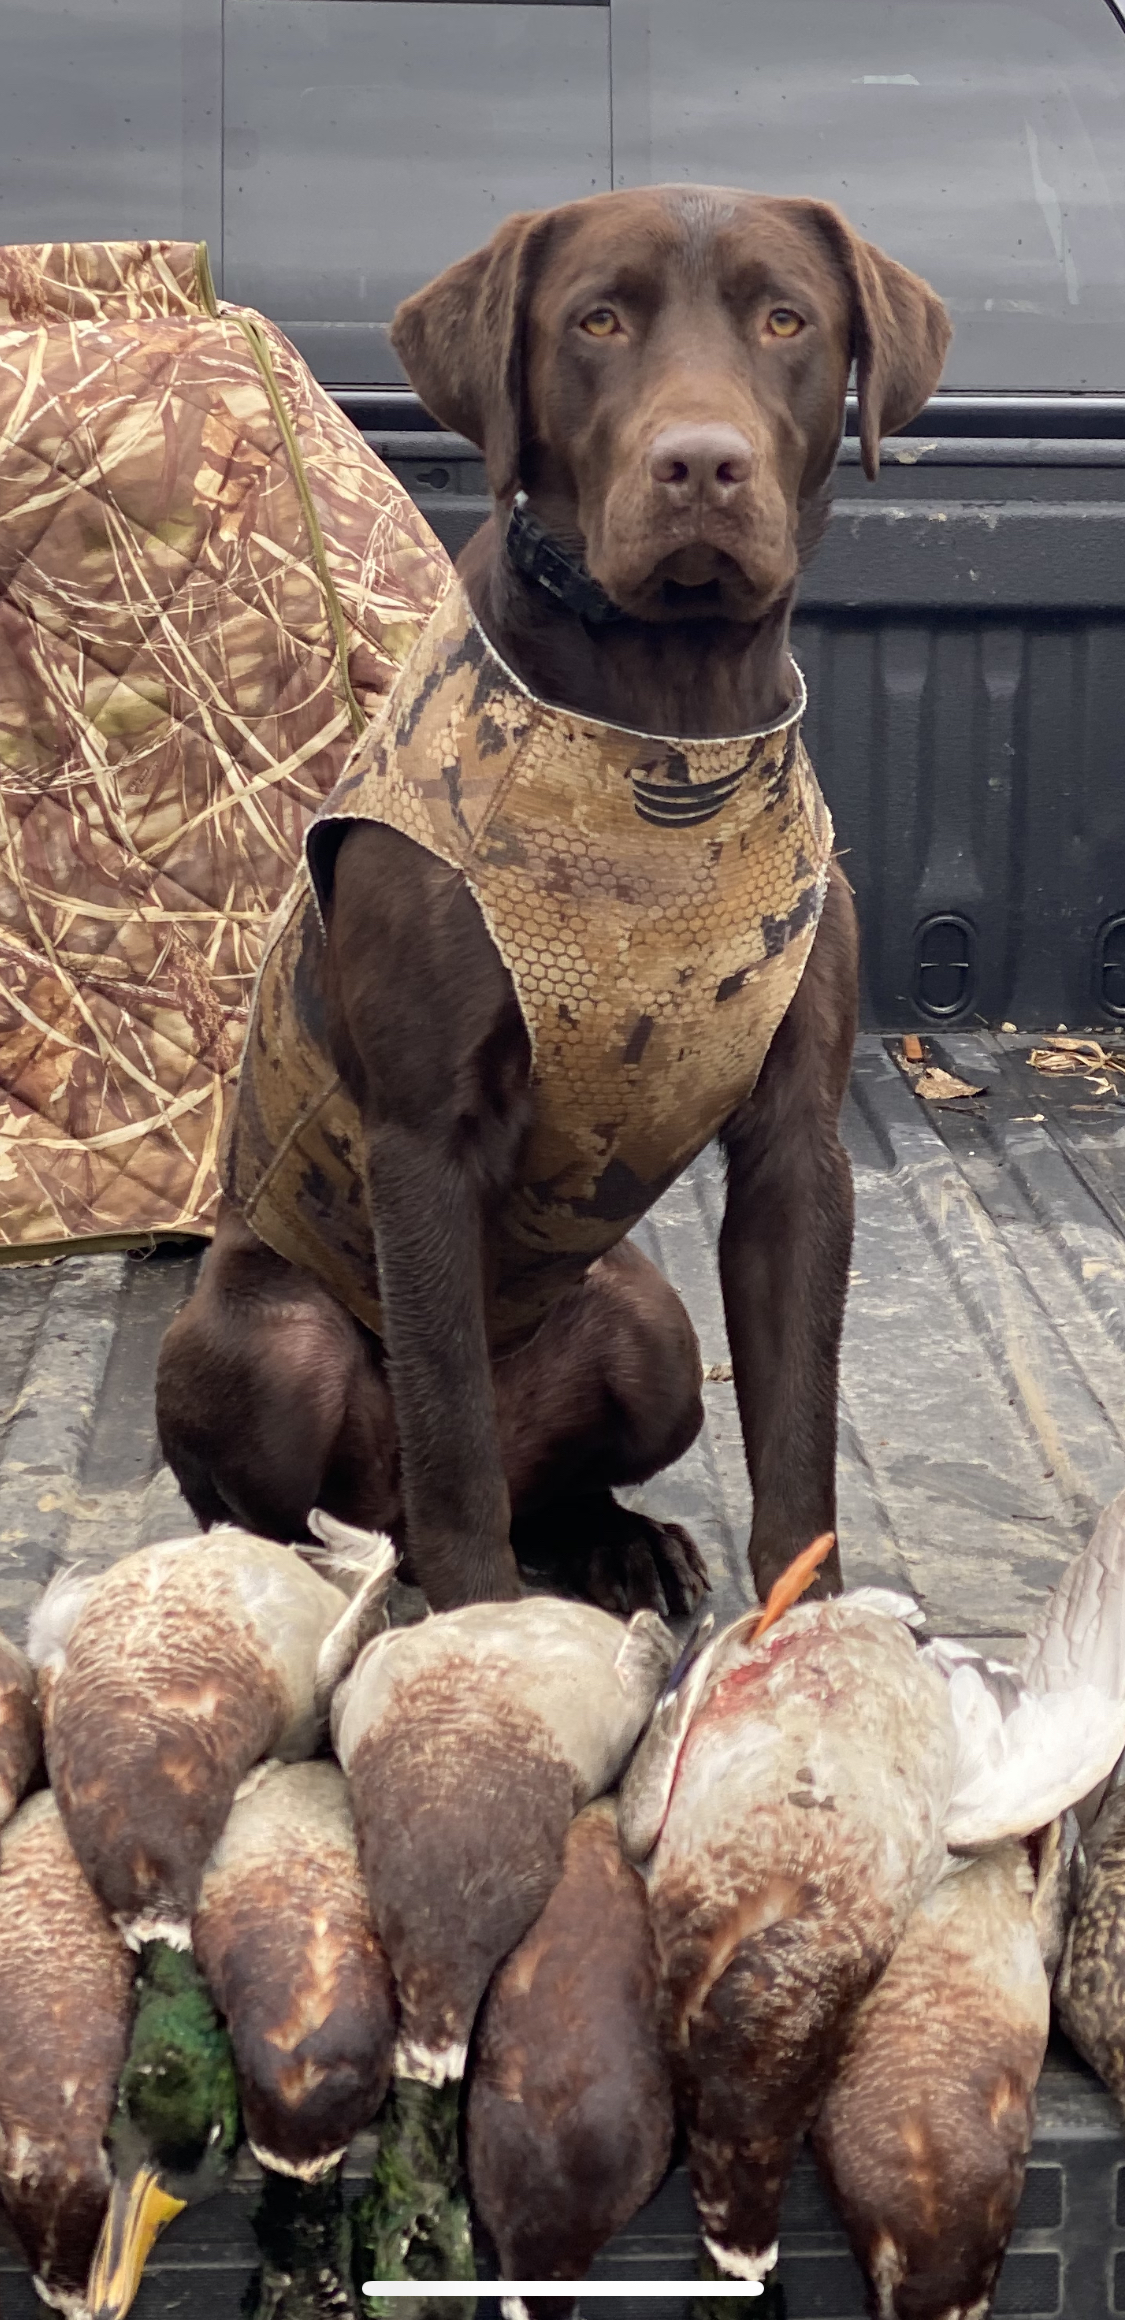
(533,552)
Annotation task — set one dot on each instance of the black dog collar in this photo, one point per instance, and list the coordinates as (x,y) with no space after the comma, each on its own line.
(538,557)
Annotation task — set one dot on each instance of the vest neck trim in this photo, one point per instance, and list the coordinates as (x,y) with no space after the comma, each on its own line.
(786,723)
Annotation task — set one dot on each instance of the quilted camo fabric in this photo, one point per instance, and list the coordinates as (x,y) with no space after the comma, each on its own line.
(207,584)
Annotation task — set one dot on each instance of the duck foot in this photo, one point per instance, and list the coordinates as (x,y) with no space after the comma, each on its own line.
(412,2223)
(613,1555)
(303,2233)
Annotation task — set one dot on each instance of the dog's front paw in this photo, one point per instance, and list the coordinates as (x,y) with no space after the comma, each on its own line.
(614,1556)
(656,1568)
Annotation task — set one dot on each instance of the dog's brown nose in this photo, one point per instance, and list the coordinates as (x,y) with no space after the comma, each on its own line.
(706,463)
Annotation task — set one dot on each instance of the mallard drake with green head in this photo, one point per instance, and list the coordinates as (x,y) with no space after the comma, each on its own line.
(568,2125)
(21,1738)
(164,1680)
(469,1742)
(66,2003)
(284,1938)
(792,1792)
(175,2126)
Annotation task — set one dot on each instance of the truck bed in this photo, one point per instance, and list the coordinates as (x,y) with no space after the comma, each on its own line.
(983,1426)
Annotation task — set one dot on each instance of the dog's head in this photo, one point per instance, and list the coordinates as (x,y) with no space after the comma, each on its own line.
(664,371)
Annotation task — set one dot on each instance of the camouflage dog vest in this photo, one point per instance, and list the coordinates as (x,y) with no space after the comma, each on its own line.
(654,901)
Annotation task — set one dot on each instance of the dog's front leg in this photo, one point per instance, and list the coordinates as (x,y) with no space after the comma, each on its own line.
(428,1036)
(784,1253)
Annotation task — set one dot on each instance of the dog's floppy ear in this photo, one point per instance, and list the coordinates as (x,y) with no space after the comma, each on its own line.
(460,342)
(900,333)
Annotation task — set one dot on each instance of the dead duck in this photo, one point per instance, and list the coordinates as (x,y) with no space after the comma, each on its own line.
(569,2115)
(924,2134)
(66,2002)
(21,1739)
(469,1742)
(174,2128)
(283,1936)
(1083,1625)
(792,1791)
(163,1680)
(1090,1984)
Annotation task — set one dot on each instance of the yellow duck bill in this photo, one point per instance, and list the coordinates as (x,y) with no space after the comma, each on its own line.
(136,2216)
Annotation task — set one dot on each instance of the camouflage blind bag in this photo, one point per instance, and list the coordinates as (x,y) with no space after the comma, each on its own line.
(207,584)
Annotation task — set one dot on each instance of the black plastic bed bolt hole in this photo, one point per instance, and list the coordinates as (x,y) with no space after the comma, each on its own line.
(945,966)
(1109,968)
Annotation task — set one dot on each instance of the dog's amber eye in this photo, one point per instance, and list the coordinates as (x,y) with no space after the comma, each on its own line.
(601,322)
(783,323)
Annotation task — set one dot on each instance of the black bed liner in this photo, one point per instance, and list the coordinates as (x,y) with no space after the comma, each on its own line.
(983,1426)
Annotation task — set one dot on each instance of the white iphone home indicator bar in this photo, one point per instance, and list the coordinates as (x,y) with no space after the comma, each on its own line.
(672,2291)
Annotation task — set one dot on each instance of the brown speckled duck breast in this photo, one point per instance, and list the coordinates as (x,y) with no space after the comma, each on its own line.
(163,1681)
(66,1997)
(925,2132)
(794,1788)
(469,1742)
(569,2116)
(284,1938)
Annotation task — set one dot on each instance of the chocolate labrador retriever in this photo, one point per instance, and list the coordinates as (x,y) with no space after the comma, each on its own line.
(657,380)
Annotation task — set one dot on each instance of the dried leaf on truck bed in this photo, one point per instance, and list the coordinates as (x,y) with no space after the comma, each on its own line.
(942,1087)
(1076,1055)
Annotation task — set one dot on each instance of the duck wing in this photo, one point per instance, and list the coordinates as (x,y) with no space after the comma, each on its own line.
(1024,1755)
(1079,1635)
(646,1790)
(363,1564)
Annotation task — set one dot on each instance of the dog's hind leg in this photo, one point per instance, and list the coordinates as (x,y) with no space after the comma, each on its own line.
(607,1392)
(270,1400)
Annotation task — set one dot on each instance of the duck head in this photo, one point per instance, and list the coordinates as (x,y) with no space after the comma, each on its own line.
(175,2128)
